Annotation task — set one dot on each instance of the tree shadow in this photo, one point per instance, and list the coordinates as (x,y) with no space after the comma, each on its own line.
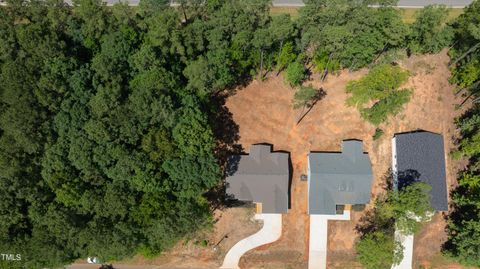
(226,133)
(309,106)
(387,180)
(371,221)
(407,178)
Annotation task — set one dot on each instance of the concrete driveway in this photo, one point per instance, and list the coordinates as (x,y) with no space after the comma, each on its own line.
(407,243)
(270,232)
(317,252)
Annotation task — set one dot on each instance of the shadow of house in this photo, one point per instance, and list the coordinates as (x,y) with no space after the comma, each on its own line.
(262,177)
(336,179)
(419,156)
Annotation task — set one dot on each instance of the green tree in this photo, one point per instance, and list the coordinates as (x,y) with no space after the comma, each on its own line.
(378,250)
(305,97)
(350,32)
(462,227)
(295,73)
(381,86)
(466,49)
(409,206)
(430,33)
(286,56)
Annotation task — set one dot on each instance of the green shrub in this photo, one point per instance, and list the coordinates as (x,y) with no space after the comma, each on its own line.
(380,85)
(321,61)
(467,74)
(390,105)
(286,56)
(304,96)
(378,250)
(378,133)
(295,73)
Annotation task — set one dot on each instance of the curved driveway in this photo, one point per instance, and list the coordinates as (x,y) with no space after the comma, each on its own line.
(270,232)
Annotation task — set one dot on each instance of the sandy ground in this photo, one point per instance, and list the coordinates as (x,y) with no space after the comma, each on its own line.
(264,113)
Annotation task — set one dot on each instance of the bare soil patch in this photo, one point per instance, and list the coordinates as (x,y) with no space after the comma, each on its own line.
(264,112)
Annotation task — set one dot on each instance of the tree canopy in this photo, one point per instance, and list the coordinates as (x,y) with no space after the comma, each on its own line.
(109,115)
(463,229)
(380,86)
(106,123)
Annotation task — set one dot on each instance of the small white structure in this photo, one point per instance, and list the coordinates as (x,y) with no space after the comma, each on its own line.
(270,232)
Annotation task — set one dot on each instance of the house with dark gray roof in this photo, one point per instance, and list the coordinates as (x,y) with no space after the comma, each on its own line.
(338,178)
(261,177)
(420,156)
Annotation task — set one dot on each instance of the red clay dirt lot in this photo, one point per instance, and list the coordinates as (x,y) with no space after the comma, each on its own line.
(264,113)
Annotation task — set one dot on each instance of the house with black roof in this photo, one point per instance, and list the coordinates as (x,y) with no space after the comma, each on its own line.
(420,156)
(336,179)
(261,177)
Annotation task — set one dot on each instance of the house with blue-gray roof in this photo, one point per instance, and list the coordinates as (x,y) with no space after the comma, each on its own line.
(336,179)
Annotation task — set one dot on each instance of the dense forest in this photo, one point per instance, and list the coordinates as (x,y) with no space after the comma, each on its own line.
(110,116)
(464,222)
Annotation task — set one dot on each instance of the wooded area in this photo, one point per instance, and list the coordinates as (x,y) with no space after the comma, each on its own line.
(109,116)
(464,221)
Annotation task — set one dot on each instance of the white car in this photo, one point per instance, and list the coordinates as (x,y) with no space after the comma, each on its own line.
(94,260)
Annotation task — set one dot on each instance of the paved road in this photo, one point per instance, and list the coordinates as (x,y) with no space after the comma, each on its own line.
(270,232)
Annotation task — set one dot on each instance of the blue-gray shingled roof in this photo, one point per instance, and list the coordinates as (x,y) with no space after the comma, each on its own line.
(260,177)
(338,178)
(420,156)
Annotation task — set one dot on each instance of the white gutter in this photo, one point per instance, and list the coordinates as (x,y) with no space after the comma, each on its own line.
(394,163)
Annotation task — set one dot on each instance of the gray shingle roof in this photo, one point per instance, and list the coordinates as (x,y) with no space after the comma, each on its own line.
(420,156)
(261,177)
(338,178)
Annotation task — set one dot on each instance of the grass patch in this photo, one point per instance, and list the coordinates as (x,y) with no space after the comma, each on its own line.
(293,11)
(408,14)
